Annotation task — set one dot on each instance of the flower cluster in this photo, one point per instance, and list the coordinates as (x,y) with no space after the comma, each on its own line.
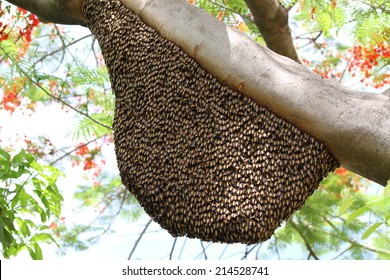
(89,158)
(31,22)
(363,60)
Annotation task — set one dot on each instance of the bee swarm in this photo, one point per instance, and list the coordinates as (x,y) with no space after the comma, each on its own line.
(203,160)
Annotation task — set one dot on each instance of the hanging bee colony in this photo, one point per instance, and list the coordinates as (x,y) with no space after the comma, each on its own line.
(203,160)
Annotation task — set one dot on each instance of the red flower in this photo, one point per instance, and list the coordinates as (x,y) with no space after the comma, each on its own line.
(53,226)
(341,171)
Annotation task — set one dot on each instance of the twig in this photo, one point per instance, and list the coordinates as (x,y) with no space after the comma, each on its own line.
(203,249)
(73,150)
(346,250)
(355,243)
(85,228)
(229,9)
(309,248)
(345,69)
(276,247)
(125,193)
(247,252)
(139,239)
(307,33)
(60,49)
(258,251)
(53,96)
(223,251)
(173,248)
(182,248)
(313,40)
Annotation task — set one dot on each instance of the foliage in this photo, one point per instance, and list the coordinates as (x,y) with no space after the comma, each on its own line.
(109,200)
(342,216)
(29,197)
(366,56)
(42,65)
(233,13)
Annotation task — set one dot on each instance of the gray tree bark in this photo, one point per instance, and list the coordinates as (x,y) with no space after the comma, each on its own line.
(271,19)
(355,126)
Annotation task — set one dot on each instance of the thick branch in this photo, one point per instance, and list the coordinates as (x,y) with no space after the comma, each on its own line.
(56,11)
(353,125)
(271,19)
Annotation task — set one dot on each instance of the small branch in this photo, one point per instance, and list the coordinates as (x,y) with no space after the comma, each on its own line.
(203,250)
(343,252)
(89,226)
(345,69)
(73,150)
(247,252)
(307,33)
(223,252)
(353,242)
(313,40)
(173,248)
(309,248)
(124,196)
(67,104)
(139,238)
(61,49)
(231,10)
(182,248)
(276,247)
(53,96)
(258,251)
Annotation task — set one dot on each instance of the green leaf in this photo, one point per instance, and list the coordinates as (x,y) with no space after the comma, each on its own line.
(5,155)
(345,205)
(43,237)
(32,252)
(371,229)
(44,201)
(15,249)
(38,251)
(356,214)
(23,227)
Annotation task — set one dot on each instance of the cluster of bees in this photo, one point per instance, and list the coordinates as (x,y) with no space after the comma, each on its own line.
(203,160)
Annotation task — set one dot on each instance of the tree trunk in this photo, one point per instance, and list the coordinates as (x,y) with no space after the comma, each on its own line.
(354,126)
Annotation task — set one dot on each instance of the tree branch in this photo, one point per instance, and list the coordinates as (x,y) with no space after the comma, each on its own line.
(271,19)
(61,49)
(353,242)
(173,248)
(308,246)
(53,96)
(203,250)
(353,125)
(73,150)
(139,238)
(231,10)
(56,11)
